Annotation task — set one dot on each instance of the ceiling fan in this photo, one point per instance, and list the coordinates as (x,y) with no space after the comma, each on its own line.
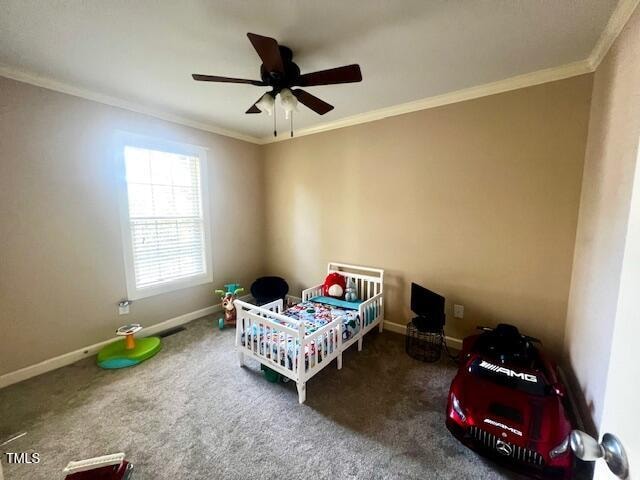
(279,72)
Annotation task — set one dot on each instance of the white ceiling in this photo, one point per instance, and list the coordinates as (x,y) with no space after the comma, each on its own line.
(144,51)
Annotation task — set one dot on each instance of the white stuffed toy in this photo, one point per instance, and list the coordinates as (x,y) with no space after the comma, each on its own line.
(350,294)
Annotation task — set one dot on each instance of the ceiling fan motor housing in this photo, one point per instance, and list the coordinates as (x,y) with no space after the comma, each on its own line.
(278,80)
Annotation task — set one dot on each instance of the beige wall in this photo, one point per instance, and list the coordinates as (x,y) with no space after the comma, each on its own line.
(61,264)
(476,200)
(612,147)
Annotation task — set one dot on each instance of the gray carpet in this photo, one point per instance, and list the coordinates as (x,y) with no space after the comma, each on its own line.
(192,413)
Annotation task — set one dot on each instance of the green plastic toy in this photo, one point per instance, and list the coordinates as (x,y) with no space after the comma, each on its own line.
(228,296)
(270,374)
(128,351)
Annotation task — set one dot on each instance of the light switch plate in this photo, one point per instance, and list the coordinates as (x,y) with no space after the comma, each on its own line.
(458,311)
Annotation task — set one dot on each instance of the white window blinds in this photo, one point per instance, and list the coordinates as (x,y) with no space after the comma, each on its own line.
(165,216)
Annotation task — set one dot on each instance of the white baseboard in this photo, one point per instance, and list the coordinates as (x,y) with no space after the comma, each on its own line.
(397,328)
(72,357)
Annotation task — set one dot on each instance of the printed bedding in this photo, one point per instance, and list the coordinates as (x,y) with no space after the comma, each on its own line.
(314,316)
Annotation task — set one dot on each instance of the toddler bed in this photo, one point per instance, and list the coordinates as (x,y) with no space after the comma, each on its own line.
(302,340)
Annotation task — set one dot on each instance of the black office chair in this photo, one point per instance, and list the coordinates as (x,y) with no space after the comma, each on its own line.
(268,289)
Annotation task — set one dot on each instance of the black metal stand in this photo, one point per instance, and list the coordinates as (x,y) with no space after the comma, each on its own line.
(424,339)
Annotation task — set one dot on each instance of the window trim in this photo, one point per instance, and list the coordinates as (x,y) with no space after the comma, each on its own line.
(124,139)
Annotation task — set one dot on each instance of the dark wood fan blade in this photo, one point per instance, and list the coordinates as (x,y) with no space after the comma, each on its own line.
(346,74)
(215,78)
(268,51)
(253,108)
(314,103)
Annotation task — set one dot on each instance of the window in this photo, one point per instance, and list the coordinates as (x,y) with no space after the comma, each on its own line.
(164,217)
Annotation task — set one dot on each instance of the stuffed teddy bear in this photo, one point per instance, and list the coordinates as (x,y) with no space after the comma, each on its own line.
(334,285)
(350,294)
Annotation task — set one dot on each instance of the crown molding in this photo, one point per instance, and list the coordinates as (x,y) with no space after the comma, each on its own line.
(616,23)
(50,84)
(500,86)
(513,83)
(619,18)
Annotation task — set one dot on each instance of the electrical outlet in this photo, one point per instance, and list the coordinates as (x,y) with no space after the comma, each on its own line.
(123,307)
(458,311)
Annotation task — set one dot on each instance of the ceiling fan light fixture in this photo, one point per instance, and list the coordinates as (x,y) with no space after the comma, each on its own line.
(288,101)
(266,103)
(279,72)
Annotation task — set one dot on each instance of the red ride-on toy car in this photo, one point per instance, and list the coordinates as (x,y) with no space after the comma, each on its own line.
(507,403)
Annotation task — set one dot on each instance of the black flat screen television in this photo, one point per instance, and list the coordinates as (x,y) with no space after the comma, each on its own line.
(427,304)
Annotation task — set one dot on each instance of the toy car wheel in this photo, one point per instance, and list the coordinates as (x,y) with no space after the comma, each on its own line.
(221,323)
(284,379)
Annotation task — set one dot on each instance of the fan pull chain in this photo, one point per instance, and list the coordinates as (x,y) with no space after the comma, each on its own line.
(275,131)
(291,120)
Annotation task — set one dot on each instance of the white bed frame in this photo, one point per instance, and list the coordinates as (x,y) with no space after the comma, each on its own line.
(369,285)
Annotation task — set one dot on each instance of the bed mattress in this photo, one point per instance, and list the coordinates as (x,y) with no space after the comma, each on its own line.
(314,316)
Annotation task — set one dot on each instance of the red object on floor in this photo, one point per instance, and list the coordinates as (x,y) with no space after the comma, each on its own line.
(124,471)
(507,402)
